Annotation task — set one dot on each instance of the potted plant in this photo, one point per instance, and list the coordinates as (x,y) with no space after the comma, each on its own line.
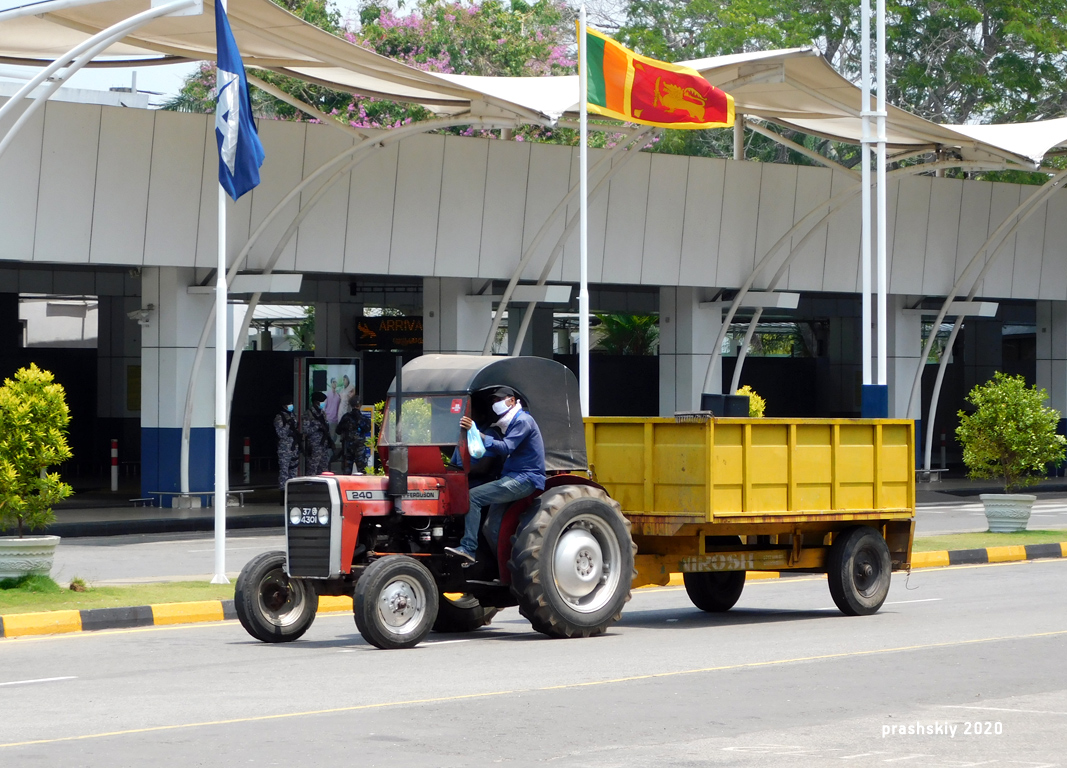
(33,426)
(1010,436)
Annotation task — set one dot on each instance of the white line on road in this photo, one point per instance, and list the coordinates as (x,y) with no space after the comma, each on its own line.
(446,642)
(1004,709)
(40,680)
(924,600)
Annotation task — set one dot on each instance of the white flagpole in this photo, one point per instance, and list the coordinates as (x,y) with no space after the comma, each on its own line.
(221,442)
(865,191)
(583,226)
(881,200)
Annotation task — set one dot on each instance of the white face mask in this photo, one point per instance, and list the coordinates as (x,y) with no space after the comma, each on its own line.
(500,407)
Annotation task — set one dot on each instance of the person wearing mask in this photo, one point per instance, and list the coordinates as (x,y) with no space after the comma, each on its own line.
(319,445)
(288,441)
(523,472)
(354,429)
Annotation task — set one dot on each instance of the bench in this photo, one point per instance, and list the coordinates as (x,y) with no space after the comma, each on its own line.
(929,475)
(182,500)
(144,501)
(240,494)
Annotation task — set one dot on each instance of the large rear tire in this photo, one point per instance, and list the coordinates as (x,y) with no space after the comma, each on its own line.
(573,563)
(859,570)
(396,602)
(272,606)
(464,614)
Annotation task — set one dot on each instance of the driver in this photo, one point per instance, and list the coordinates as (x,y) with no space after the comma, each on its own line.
(523,452)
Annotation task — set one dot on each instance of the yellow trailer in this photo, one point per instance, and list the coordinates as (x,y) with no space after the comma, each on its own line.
(713,498)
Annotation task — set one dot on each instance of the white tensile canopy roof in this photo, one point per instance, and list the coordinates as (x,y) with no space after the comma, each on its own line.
(796,88)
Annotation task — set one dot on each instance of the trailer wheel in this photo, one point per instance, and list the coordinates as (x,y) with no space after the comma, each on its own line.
(463,614)
(272,606)
(859,570)
(715,592)
(573,563)
(395,603)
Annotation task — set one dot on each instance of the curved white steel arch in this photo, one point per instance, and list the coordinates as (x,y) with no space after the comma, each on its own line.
(1024,211)
(836,203)
(999,234)
(632,136)
(360,149)
(557,249)
(78,56)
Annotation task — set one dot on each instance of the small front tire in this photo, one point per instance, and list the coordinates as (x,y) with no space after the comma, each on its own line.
(272,606)
(859,570)
(395,603)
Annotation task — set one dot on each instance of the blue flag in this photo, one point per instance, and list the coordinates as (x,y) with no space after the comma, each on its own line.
(240,151)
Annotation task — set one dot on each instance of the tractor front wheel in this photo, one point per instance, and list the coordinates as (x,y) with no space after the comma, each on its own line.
(272,606)
(395,602)
(573,563)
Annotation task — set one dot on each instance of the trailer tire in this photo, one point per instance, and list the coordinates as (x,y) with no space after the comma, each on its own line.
(714,592)
(395,603)
(271,605)
(859,570)
(464,614)
(572,565)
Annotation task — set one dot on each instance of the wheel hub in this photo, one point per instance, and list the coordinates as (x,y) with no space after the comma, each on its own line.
(398,604)
(579,563)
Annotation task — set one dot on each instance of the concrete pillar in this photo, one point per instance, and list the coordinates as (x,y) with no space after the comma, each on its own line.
(904,348)
(842,395)
(173,321)
(687,333)
(453,320)
(1052,352)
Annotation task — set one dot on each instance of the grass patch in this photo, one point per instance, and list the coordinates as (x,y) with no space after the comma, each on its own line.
(983,540)
(30,594)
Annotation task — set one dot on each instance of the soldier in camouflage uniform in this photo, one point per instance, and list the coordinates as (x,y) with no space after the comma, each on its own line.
(288,442)
(317,440)
(354,429)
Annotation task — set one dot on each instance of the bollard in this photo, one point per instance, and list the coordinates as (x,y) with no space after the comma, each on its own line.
(248,461)
(114,465)
(942,450)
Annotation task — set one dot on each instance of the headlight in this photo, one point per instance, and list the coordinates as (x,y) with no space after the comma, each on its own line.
(324,515)
(294,515)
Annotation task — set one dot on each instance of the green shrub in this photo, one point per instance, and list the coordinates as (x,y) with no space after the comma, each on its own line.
(33,428)
(1011,435)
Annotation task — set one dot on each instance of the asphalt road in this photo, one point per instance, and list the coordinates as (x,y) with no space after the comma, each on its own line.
(167,557)
(784,679)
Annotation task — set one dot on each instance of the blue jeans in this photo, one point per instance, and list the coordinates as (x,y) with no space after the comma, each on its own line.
(499,492)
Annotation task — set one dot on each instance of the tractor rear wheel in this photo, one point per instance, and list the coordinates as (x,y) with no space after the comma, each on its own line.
(573,563)
(462,614)
(859,570)
(395,603)
(272,606)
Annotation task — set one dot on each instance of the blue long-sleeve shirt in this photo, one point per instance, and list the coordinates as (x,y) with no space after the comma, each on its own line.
(522,448)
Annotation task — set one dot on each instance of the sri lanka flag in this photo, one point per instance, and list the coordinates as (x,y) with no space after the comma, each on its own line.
(240,151)
(636,89)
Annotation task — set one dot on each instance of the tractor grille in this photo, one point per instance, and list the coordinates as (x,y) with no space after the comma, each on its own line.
(308,545)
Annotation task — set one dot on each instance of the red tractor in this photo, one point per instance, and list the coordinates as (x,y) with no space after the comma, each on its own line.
(564,555)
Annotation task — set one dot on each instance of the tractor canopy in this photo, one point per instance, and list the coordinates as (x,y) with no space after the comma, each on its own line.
(547,389)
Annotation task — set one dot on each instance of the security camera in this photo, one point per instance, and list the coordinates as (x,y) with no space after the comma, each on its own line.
(142,316)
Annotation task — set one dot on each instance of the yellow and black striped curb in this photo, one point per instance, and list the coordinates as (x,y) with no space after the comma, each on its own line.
(57,622)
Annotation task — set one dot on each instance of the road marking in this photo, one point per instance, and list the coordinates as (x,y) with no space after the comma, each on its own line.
(40,680)
(447,642)
(562,687)
(1004,709)
(902,602)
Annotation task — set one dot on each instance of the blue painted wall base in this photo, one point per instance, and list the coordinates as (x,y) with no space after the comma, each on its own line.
(161,459)
(875,401)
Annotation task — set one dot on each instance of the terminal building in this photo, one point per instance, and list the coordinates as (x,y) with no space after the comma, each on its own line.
(410,242)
